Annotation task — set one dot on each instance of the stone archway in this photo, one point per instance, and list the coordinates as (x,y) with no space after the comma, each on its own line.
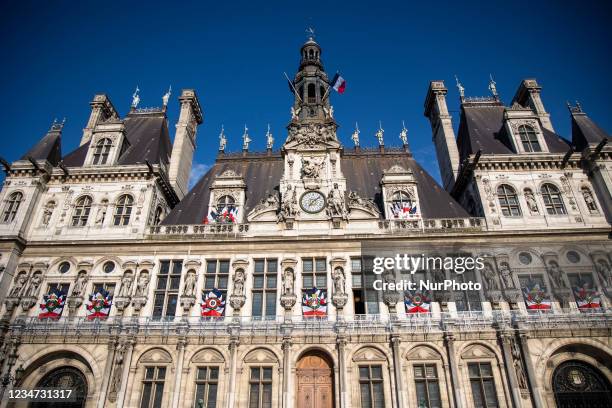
(577,384)
(315,382)
(65,377)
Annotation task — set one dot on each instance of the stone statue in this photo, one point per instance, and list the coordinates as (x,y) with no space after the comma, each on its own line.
(295,113)
(189,287)
(338,277)
(118,372)
(492,85)
(489,278)
(135,98)
(20,282)
(556,275)
(269,139)
(331,112)
(47,213)
(143,284)
(438,275)
(506,274)
(35,281)
(460,87)
(126,285)
(588,199)
(288,278)
(603,269)
(311,167)
(404,134)
(531,201)
(166,96)
(79,284)
(356,201)
(239,283)
(245,139)
(380,133)
(335,202)
(518,366)
(101,214)
(355,135)
(289,205)
(222,140)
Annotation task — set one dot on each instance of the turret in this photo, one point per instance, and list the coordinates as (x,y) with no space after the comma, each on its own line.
(528,95)
(101,110)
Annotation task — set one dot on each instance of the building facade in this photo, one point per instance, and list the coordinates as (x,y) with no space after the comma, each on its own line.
(255,288)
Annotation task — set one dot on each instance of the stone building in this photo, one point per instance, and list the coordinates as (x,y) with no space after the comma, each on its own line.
(255,288)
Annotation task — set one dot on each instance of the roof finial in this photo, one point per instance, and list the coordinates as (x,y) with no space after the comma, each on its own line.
(245,139)
(269,139)
(355,135)
(404,134)
(380,134)
(135,98)
(460,88)
(579,106)
(166,96)
(310,33)
(222,140)
(492,86)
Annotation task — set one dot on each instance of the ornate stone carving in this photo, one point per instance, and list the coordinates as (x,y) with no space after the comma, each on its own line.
(532,205)
(189,286)
(556,275)
(367,205)
(79,284)
(289,206)
(489,278)
(335,203)
(238,298)
(288,296)
(19,285)
(517,363)
(115,383)
(143,284)
(506,275)
(312,134)
(312,166)
(126,285)
(604,272)
(34,286)
(47,213)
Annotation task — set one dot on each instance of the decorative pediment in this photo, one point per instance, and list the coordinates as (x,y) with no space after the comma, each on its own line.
(359,207)
(476,351)
(423,353)
(155,356)
(208,356)
(131,264)
(146,264)
(369,354)
(266,209)
(258,356)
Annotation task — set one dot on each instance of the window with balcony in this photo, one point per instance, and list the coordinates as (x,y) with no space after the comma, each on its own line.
(264,288)
(167,289)
(314,273)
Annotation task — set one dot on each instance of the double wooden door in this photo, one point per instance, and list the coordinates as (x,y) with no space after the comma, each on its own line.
(315,383)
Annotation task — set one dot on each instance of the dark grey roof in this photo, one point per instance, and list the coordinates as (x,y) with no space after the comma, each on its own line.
(363,171)
(482,128)
(147,138)
(48,148)
(585,131)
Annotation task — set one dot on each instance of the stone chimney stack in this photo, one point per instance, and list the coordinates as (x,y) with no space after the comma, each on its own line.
(184,142)
(528,95)
(101,109)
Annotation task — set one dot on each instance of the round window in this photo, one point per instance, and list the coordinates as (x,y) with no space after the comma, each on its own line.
(525,258)
(109,266)
(573,257)
(64,267)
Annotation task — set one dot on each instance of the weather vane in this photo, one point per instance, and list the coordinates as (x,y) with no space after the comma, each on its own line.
(311,33)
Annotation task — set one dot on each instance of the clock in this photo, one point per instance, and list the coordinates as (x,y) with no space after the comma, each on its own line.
(312,202)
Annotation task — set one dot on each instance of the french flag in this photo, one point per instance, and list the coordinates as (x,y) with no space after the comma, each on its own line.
(338,83)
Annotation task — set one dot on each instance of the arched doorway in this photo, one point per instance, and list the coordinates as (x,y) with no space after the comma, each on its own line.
(579,385)
(64,378)
(315,384)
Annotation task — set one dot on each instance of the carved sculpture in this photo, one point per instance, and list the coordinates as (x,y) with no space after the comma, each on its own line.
(143,284)
(489,278)
(518,365)
(506,274)
(339,280)
(18,286)
(355,136)
(556,275)
(79,284)
(189,287)
(588,199)
(288,280)
(531,202)
(335,202)
(35,281)
(239,282)
(47,213)
(311,167)
(101,214)
(118,372)
(605,274)
(126,285)
(355,201)
(289,207)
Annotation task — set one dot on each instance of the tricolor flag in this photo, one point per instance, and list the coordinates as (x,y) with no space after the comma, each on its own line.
(213,304)
(212,216)
(404,210)
(314,303)
(586,297)
(53,306)
(338,83)
(417,302)
(99,305)
(536,297)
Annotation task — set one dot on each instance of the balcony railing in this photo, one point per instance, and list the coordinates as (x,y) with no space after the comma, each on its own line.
(309,326)
(200,229)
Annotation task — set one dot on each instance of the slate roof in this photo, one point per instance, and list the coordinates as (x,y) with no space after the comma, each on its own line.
(585,131)
(482,128)
(48,148)
(147,138)
(363,171)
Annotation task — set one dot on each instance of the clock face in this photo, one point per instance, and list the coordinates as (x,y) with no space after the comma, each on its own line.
(312,201)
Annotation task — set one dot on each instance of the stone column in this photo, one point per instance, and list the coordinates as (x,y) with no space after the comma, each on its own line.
(233,348)
(504,341)
(341,342)
(397,368)
(449,339)
(110,358)
(287,394)
(127,362)
(531,375)
(178,374)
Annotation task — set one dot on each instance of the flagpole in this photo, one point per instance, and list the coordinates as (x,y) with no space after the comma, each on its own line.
(294,90)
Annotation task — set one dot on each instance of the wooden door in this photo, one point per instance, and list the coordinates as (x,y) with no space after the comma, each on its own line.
(314,382)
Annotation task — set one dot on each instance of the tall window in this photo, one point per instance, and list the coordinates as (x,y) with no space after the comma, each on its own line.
(264,287)
(207,381)
(400,198)
(62,287)
(101,151)
(467,300)
(365,298)
(552,199)
(153,387)
(109,287)
(371,386)
(260,387)
(427,386)
(312,90)
(167,290)
(483,385)
(12,206)
(314,273)
(217,275)
(508,201)
(82,209)
(123,211)
(226,202)
(529,139)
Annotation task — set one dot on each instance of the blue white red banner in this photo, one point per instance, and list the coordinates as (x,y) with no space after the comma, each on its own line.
(586,297)
(99,305)
(403,210)
(314,302)
(229,215)
(213,304)
(535,297)
(53,305)
(338,83)
(417,302)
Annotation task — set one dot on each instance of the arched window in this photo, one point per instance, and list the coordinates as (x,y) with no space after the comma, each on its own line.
(578,384)
(101,151)
(311,54)
(82,209)
(529,139)
(312,97)
(226,202)
(157,218)
(123,211)
(12,206)
(508,201)
(552,199)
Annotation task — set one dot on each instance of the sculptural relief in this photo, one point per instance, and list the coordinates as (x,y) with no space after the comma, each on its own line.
(189,286)
(19,284)
(79,284)
(143,284)
(126,284)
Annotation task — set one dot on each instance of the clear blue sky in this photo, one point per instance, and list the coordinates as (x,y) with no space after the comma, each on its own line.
(57,55)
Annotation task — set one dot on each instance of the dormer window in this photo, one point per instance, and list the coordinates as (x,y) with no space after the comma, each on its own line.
(102,151)
(402,205)
(529,139)
(508,201)
(225,203)
(552,199)
(11,207)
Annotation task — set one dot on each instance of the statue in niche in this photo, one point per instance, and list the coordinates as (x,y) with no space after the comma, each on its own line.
(335,202)
(118,372)
(239,282)
(531,201)
(518,366)
(47,213)
(556,275)
(339,281)
(143,284)
(289,207)
(18,286)
(288,278)
(588,199)
(126,285)
(506,274)
(101,214)
(35,281)
(438,275)
(489,277)
(79,284)
(189,286)
(605,274)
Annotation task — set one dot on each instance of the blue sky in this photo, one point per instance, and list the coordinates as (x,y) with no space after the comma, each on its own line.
(57,55)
